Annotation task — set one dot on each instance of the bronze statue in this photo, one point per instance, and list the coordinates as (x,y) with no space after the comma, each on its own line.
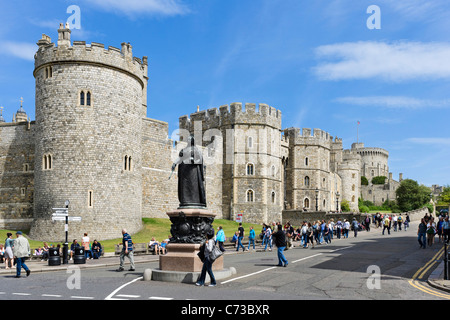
(191,177)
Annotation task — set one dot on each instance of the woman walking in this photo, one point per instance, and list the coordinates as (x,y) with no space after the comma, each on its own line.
(9,256)
(207,264)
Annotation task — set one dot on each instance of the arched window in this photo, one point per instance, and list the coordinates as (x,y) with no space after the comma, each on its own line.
(353,187)
(273,196)
(88,98)
(273,171)
(47,162)
(250,169)
(324,203)
(82,98)
(353,198)
(127,163)
(250,195)
(306,181)
(306,203)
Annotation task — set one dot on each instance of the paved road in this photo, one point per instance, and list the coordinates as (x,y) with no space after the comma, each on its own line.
(343,269)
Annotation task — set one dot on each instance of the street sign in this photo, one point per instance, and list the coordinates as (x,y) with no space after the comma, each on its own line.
(61,209)
(60,214)
(60,218)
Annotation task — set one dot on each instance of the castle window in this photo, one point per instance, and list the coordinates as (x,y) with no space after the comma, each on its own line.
(26,167)
(47,162)
(353,198)
(127,163)
(306,161)
(82,98)
(273,171)
(48,72)
(22,192)
(88,98)
(250,195)
(306,203)
(353,187)
(324,203)
(273,196)
(250,169)
(90,199)
(306,181)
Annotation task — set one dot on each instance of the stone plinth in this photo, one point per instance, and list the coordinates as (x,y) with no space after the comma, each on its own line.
(189,229)
(183,257)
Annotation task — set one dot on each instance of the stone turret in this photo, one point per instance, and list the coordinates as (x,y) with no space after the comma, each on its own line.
(90,102)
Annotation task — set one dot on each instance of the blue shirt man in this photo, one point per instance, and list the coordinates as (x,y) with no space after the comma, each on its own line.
(127,251)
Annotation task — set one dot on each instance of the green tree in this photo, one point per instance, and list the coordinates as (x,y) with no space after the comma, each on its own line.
(364,181)
(345,206)
(411,195)
(379,180)
(444,197)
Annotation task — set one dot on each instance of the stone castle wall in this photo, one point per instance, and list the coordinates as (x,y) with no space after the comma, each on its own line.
(16,175)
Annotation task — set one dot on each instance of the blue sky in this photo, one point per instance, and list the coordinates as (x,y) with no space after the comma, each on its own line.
(316,61)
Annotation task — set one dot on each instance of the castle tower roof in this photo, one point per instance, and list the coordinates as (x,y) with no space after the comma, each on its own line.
(21,115)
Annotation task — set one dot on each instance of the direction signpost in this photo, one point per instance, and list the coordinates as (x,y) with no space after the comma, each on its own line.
(62,214)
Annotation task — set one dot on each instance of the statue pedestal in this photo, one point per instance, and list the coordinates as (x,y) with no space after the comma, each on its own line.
(181,263)
(189,225)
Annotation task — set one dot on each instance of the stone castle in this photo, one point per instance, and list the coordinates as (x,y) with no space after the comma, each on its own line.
(93,144)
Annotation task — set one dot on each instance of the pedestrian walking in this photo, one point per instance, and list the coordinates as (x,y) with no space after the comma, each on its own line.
(346,228)
(268,236)
(355,226)
(220,238)
(280,242)
(207,264)
(446,229)
(387,224)
(431,232)
(339,226)
(251,238)
(21,250)
(422,233)
(309,235)
(127,251)
(9,256)
(240,237)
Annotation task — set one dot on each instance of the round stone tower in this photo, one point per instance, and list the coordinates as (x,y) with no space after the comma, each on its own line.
(90,102)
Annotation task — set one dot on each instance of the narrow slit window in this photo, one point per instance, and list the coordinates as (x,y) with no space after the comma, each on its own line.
(82,98)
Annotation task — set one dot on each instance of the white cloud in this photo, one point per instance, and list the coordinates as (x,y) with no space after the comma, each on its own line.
(398,61)
(394,102)
(137,7)
(22,50)
(430,141)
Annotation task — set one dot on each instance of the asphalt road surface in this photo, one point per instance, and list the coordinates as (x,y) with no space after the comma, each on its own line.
(368,267)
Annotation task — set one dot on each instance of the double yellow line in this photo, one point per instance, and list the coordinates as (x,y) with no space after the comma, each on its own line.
(416,280)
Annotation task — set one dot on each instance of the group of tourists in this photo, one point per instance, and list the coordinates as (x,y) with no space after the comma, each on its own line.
(429,228)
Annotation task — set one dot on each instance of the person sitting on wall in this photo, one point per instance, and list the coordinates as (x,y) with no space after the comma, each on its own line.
(154,245)
(96,249)
(74,245)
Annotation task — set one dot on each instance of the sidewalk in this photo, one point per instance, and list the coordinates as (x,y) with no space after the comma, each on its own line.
(436,279)
(106,261)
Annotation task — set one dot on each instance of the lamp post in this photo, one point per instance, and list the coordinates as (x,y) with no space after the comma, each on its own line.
(317,199)
(337,201)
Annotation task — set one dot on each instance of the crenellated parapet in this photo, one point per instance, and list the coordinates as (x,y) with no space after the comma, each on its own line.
(92,54)
(234,114)
(310,137)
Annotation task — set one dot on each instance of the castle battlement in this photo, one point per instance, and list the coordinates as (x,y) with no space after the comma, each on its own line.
(93,54)
(308,136)
(234,114)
